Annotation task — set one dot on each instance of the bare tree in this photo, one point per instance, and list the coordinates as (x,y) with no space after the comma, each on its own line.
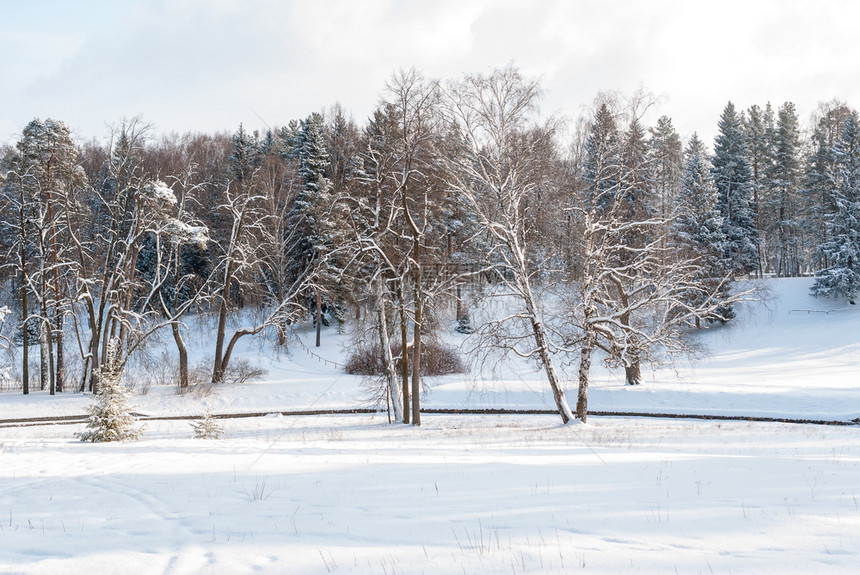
(413,105)
(376,261)
(254,206)
(633,299)
(498,175)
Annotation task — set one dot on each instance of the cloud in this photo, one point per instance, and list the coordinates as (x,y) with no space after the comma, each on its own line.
(207,65)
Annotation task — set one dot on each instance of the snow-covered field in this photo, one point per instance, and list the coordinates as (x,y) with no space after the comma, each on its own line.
(465,494)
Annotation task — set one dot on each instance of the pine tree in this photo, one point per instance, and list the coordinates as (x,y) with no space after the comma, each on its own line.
(697,230)
(313,216)
(758,127)
(842,278)
(207,427)
(110,417)
(45,171)
(784,178)
(602,166)
(820,181)
(733,179)
(665,158)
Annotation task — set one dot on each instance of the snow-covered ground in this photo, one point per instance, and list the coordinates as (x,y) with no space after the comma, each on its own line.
(465,494)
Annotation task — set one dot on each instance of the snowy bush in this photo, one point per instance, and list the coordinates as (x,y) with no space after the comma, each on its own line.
(435,360)
(207,428)
(242,370)
(110,417)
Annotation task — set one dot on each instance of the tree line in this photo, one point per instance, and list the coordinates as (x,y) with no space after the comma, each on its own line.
(620,239)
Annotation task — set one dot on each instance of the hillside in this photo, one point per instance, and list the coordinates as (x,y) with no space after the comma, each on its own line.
(789,356)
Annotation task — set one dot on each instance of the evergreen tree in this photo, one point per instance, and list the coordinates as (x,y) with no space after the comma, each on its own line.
(697,230)
(313,217)
(207,427)
(45,172)
(733,179)
(110,417)
(246,156)
(758,126)
(783,181)
(820,181)
(602,166)
(636,189)
(842,249)
(665,158)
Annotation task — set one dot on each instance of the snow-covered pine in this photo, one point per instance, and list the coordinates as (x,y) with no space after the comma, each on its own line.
(842,250)
(207,427)
(110,417)
(785,232)
(758,128)
(665,162)
(315,217)
(820,181)
(697,230)
(733,178)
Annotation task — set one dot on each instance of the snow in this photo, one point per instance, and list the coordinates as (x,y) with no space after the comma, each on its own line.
(473,494)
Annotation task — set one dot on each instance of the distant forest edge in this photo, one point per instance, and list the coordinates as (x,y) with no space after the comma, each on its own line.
(635,237)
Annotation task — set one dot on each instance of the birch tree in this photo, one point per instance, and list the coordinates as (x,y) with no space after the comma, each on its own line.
(498,175)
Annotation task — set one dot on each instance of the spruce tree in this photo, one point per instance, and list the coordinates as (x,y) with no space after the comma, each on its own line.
(784,178)
(733,179)
(697,230)
(312,216)
(842,249)
(758,126)
(820,180)
(602,166)
(110,417)
(665,159)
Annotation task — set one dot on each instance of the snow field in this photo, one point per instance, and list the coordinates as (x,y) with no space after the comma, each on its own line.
(464,494)
(486,494)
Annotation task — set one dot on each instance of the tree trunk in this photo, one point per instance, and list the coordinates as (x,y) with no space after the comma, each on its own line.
(319,315)
(52,380)
(25,335)
(229,351)
(551,373)
(218,367)
(416,363)
(58,372)
(60,367)
(44,370)
(584,368)
(95,363)
(633,372)
(390,367)
(183,356)
(404,357)
(541,342)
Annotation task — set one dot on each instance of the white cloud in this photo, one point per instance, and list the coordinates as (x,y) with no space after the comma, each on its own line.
(210,64)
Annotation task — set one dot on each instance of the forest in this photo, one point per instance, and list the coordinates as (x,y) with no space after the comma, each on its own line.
(614,239)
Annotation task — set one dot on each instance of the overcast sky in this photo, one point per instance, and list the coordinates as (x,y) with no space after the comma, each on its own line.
(207,65)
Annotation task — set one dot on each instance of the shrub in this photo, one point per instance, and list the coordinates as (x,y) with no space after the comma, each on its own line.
(241,370)
(435,360)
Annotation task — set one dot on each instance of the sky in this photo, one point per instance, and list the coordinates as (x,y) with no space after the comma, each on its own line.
(209,65)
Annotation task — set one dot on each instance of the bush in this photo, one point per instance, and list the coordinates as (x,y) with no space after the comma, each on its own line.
(435,360)
(241,370)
